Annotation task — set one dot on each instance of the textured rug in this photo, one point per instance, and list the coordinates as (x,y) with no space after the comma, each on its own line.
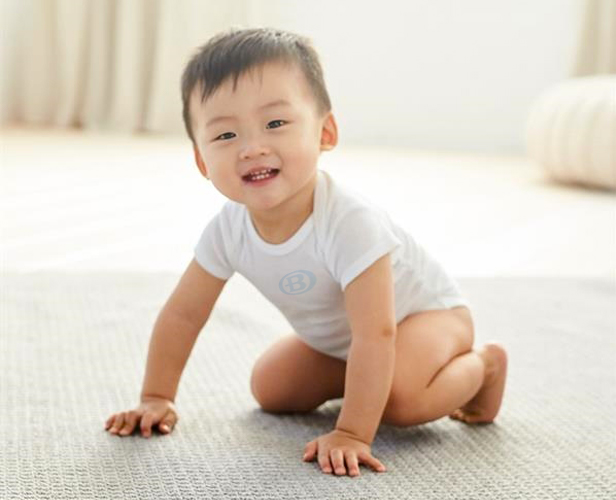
(73,351)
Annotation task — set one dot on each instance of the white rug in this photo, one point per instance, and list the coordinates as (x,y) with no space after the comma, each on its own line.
(73,350)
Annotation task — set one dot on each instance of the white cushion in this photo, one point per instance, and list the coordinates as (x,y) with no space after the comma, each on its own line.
(572,132)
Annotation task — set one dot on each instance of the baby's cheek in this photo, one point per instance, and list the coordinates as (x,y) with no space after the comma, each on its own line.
(305,153)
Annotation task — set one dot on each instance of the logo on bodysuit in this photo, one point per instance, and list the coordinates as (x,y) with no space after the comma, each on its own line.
(297,282)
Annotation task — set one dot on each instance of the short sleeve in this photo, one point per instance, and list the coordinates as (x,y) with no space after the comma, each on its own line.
(211,251)
(359,239)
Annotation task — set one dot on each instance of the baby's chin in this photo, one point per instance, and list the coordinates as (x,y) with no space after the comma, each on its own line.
(253,200)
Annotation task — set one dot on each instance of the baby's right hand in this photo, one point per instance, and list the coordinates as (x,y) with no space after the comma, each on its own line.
(151,411)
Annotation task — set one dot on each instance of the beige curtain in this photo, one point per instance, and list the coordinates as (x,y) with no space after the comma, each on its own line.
(113,64)
(596,52)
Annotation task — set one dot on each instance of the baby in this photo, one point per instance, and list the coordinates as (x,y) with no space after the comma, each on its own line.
(377,320)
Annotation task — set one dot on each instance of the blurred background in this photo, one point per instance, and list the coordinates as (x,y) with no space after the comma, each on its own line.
(441,74)
(486,128)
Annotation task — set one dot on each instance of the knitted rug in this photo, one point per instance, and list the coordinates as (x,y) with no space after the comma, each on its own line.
(73,351)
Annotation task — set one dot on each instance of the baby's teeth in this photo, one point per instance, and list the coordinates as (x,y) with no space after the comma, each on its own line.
(261,176)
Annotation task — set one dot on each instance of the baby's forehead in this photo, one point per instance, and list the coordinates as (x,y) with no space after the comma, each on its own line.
(267,82)
(272,72)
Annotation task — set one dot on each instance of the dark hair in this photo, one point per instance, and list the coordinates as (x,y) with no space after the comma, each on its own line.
(236,51)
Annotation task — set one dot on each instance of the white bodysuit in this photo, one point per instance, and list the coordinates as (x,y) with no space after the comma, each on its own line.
(305,276)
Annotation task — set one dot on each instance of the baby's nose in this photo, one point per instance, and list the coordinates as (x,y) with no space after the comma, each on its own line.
(254,149)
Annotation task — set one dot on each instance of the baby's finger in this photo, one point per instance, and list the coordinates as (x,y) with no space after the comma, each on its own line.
(373,462)
(167,423)
(146,424)
(324,463)
(352,464)
(310,450)
(337,458)
(130,422)
(109,421)
(117,423)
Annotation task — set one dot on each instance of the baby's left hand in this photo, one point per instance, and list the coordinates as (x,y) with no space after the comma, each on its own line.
(340,446)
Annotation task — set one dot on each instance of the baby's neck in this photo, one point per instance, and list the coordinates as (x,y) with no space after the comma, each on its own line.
(278,235)
(279,227)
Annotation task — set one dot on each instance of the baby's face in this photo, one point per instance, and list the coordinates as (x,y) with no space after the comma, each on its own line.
(236,132)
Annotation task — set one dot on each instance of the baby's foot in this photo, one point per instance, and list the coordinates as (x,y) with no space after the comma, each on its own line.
(484,406)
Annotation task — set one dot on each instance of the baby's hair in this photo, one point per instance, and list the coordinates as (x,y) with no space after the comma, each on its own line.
(236,51)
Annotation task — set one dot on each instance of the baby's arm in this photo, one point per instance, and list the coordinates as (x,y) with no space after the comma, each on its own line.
(369,301)
(175,332)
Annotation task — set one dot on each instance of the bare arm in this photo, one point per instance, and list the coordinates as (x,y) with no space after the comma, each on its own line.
(369,300)
(176,330)
(369,375)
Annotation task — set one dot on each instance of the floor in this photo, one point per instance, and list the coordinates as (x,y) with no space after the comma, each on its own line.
(74,201)
(73,351)
(81,205)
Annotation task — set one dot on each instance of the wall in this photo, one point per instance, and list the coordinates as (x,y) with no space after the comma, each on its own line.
(438,74)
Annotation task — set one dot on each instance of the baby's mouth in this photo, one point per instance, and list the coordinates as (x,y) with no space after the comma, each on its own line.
(265,174)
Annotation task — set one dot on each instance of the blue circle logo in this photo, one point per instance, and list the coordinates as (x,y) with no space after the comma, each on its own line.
(297,282)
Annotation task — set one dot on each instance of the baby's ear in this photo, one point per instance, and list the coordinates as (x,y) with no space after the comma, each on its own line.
(199,161)
(329,133)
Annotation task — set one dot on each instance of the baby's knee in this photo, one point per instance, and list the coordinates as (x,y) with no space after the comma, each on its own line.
(259,387)
(272,395)
(405,408)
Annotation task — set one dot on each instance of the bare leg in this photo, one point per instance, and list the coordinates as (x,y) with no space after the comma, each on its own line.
(462,388)
(290,376)
(469,388)
(484,406)
(453,386)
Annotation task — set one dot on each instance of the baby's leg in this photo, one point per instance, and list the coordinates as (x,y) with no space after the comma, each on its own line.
(437,373)
(291,376)
(486,403)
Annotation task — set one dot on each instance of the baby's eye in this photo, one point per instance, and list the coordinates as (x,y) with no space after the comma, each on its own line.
(222,135)
(276,121)
(273,121)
